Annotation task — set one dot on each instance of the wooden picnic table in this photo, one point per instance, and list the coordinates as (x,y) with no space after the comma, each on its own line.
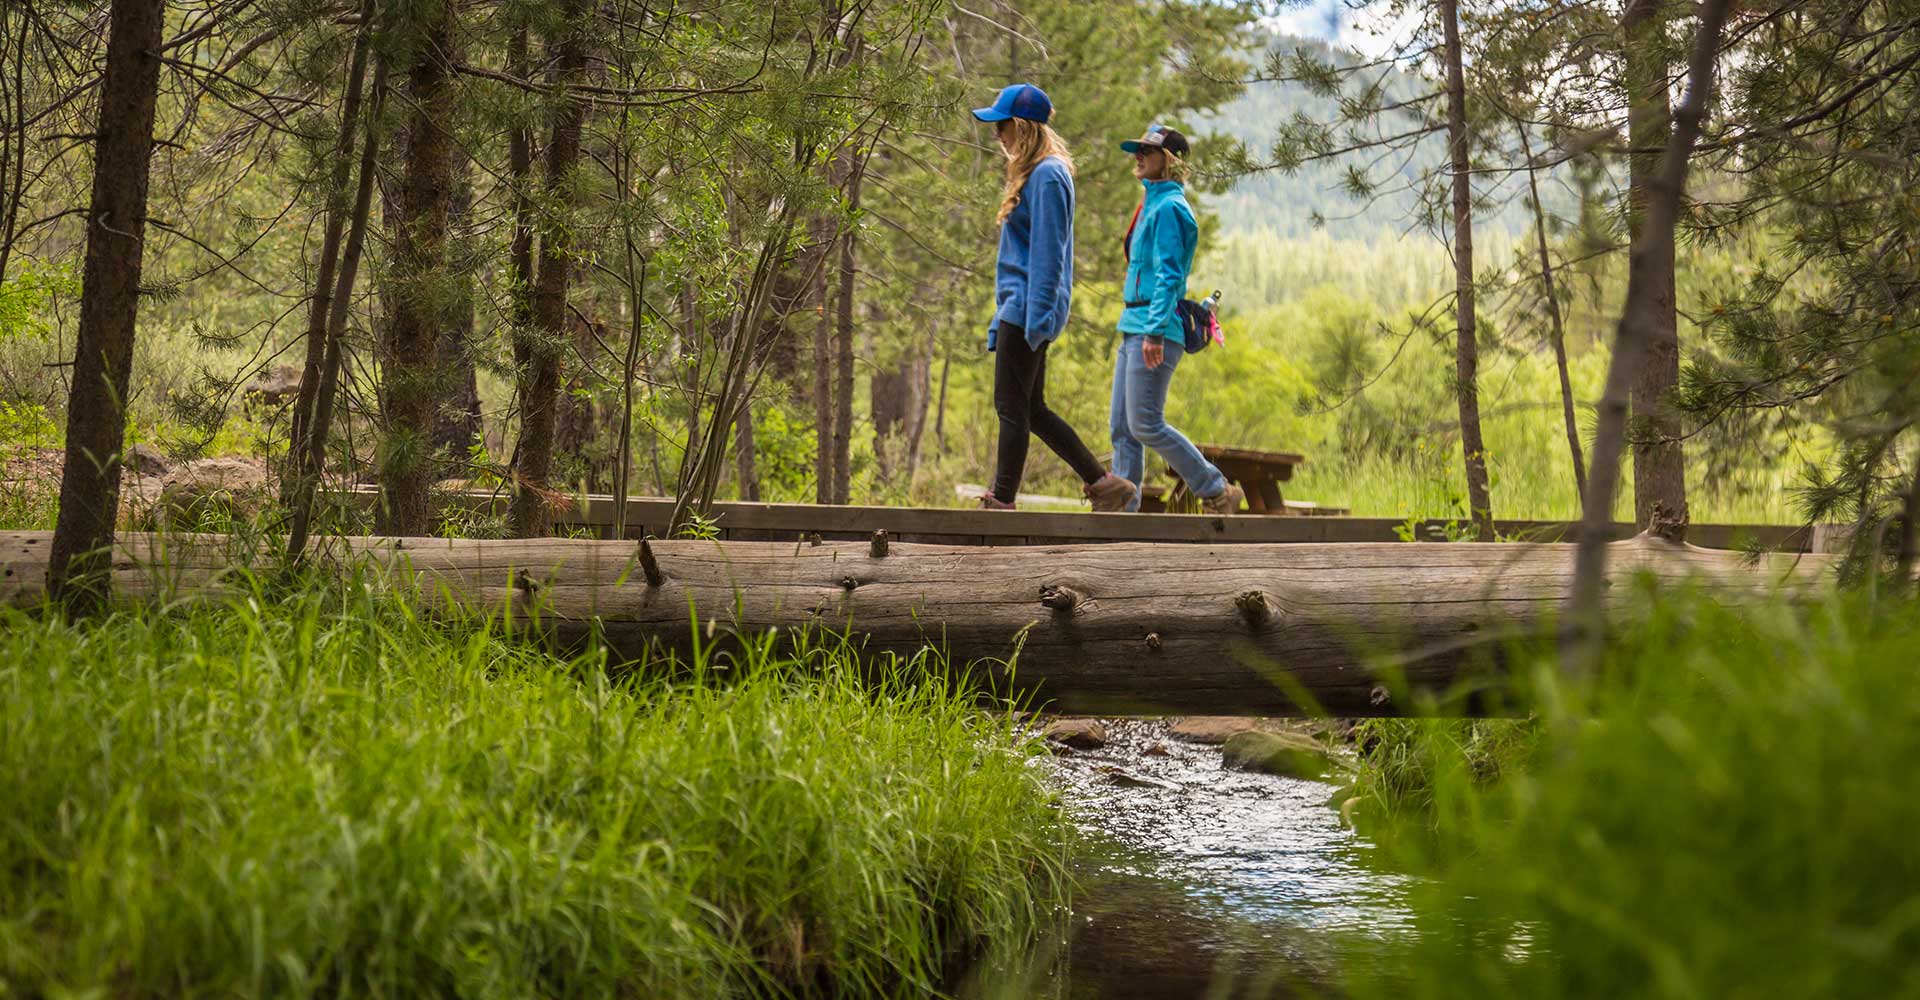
(1259,473)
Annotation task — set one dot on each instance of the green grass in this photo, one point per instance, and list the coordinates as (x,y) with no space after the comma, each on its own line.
(318,793)
(1728,812)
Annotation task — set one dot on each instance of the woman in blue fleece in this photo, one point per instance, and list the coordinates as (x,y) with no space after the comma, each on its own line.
(1159,247)
(1033,289)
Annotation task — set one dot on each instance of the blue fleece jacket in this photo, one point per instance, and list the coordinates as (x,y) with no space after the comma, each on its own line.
(1158,260)
(1033,282)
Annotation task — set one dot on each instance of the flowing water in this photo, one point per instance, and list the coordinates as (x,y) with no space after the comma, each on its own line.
(1197,880)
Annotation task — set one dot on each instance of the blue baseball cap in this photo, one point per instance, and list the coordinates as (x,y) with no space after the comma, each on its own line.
(1022,100)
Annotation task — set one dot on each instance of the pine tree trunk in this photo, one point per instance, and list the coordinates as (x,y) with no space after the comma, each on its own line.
(1638,317)
(77,573)
(1659,463)
(1559,331)
(419,262)
(456,425)
(745,456)
(335,213)
(843,349)
(822,378)
(1466,359)
(311,454)
(540,381)
(919,387)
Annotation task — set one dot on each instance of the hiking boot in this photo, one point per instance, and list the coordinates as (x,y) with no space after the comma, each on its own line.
(990,502)
(1111,492)
(1228,502)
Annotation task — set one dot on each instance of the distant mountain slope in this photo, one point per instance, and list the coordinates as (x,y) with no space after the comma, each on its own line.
(1276,202)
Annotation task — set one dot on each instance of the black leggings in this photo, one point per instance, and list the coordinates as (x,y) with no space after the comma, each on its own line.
(1019,397)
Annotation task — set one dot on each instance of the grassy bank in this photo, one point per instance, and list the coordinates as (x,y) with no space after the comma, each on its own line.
(1729,812)
(318,793)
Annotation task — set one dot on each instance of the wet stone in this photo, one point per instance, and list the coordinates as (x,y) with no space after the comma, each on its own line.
(1289,755)
(1080,734)
(1211,729)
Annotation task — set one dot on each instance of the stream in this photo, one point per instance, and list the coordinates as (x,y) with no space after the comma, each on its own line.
(1193,879)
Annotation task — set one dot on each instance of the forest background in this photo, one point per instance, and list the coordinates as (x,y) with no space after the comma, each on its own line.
(827,220)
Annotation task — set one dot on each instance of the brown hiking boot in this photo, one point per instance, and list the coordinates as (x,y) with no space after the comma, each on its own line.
(990,502)
(1111,492)
(1227,502)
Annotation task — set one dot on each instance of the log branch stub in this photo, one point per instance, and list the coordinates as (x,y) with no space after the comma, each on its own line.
(1379,696)
(1153,641)
(650,565)
(813,539)
(1061,598)
(877,548)
(1666,525)
(1255,605)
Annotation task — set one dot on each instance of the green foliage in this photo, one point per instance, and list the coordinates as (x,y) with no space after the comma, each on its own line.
(1724,812)
(321,793)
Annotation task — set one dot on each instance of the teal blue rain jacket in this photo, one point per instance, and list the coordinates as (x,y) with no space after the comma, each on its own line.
(1160,256)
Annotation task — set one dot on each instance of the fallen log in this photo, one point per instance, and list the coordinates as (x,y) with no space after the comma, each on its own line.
(1248,629)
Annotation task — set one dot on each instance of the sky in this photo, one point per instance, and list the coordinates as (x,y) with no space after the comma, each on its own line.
(1336,22)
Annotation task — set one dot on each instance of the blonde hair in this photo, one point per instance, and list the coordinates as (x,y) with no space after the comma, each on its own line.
(1032,142)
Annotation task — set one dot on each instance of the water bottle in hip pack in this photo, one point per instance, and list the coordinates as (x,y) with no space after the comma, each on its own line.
(1200,323)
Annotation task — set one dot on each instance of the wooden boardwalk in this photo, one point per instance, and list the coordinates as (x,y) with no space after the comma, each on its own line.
(592,516)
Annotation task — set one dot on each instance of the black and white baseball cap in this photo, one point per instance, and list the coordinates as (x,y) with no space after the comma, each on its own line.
(1158,137)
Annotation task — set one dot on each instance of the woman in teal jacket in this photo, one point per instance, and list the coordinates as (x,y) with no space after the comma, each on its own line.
(1159,247)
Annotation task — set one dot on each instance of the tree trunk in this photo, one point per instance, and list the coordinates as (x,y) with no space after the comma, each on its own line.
(419,264)
(1909,548)
(540,381)
(921,386)
(843,347)
(456,424)
(311,450)
(13,135)
(745,457)
(1216,629)
(109,305)
(1559,332)
(1659,463)
(1638,317)
(335,212)
(940,410)
(822,379)
(1466,358)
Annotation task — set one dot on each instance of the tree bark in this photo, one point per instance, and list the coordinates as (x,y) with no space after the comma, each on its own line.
(335,213)
(1909,548)
(456,424)
(745,455)
(1659,463)
(109,306)
(843,346)
(310,455)
(1638,318)
(540,380)
(822,379)
(1466,357)
(1559,331)
(1215,629)
(419,264)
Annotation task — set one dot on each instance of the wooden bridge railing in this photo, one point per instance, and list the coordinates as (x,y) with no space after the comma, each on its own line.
(593,516)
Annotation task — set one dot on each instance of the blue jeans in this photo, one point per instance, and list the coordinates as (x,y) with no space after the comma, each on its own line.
(1139,422)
